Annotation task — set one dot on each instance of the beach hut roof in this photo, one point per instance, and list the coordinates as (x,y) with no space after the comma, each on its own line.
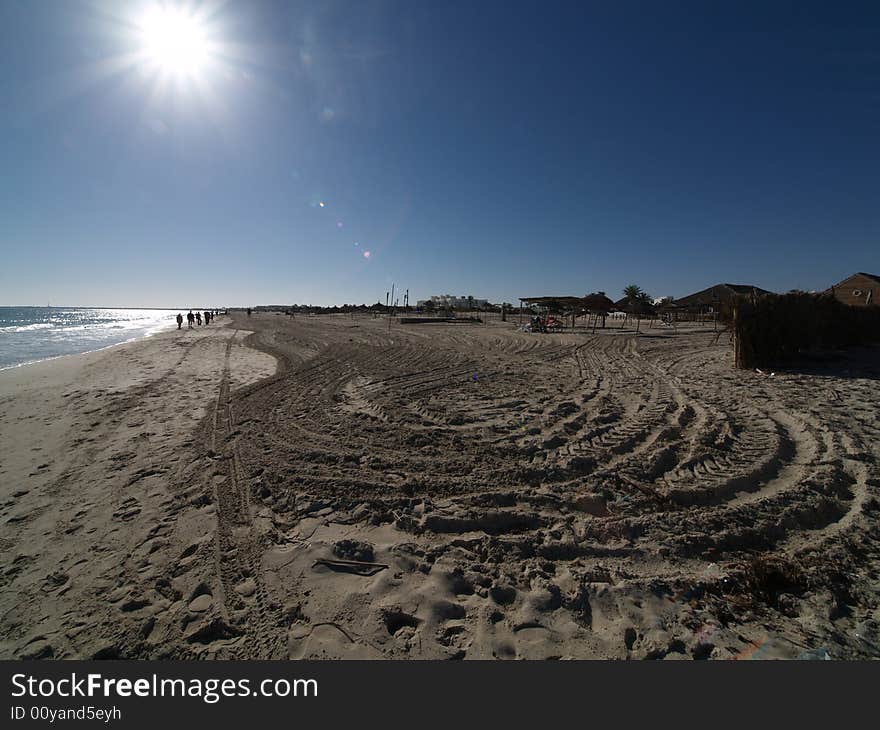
(873,277)
(718,293)
(544,300)
(597,302)
(858,289)
(554,304)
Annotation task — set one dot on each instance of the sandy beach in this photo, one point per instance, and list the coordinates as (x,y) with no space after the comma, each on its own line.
(339,487)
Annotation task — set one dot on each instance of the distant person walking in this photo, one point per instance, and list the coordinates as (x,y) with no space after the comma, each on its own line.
(179,320)
(199,318)
(249,311)
(190,318)
(207,317)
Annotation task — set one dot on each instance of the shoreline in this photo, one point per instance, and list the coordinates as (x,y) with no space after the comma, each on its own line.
(144,336)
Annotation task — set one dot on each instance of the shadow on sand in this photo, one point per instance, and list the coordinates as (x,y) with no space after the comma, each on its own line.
(854,362)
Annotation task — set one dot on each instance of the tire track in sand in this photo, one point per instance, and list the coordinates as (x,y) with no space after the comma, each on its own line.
(238,549)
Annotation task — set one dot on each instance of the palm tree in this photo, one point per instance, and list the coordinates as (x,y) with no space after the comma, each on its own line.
(638,302)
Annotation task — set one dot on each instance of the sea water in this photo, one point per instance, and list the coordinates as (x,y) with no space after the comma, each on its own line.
(29,334)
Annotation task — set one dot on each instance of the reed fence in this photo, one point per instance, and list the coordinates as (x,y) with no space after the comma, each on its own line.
(774,329)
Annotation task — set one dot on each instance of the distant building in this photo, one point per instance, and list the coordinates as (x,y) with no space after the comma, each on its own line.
(860,290)
(451,301)
(716,295)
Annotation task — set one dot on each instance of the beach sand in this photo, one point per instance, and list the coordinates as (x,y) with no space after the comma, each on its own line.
(93,520)
(335,487)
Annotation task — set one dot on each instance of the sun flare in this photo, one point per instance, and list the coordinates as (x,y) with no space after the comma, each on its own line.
(174,41)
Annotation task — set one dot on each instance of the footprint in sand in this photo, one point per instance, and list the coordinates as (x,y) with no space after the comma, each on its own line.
(201,603)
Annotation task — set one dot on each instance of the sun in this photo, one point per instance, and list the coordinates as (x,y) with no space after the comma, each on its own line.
(174,41)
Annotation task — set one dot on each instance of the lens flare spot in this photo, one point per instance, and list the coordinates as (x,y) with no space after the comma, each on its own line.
(366,254)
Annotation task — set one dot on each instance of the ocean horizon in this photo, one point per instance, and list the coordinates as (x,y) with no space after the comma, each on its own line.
(33,334)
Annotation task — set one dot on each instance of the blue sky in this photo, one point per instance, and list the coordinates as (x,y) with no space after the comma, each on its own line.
(496,149)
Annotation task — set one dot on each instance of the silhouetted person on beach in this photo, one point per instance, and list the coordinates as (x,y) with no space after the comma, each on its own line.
(190,318)
(199,318)
(207,317)
(179,320)
(249,311)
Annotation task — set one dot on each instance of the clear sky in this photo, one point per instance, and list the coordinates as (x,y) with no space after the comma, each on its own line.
(498,149)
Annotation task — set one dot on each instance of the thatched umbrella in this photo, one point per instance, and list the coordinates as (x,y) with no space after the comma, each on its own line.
(638,305)
(599,305)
